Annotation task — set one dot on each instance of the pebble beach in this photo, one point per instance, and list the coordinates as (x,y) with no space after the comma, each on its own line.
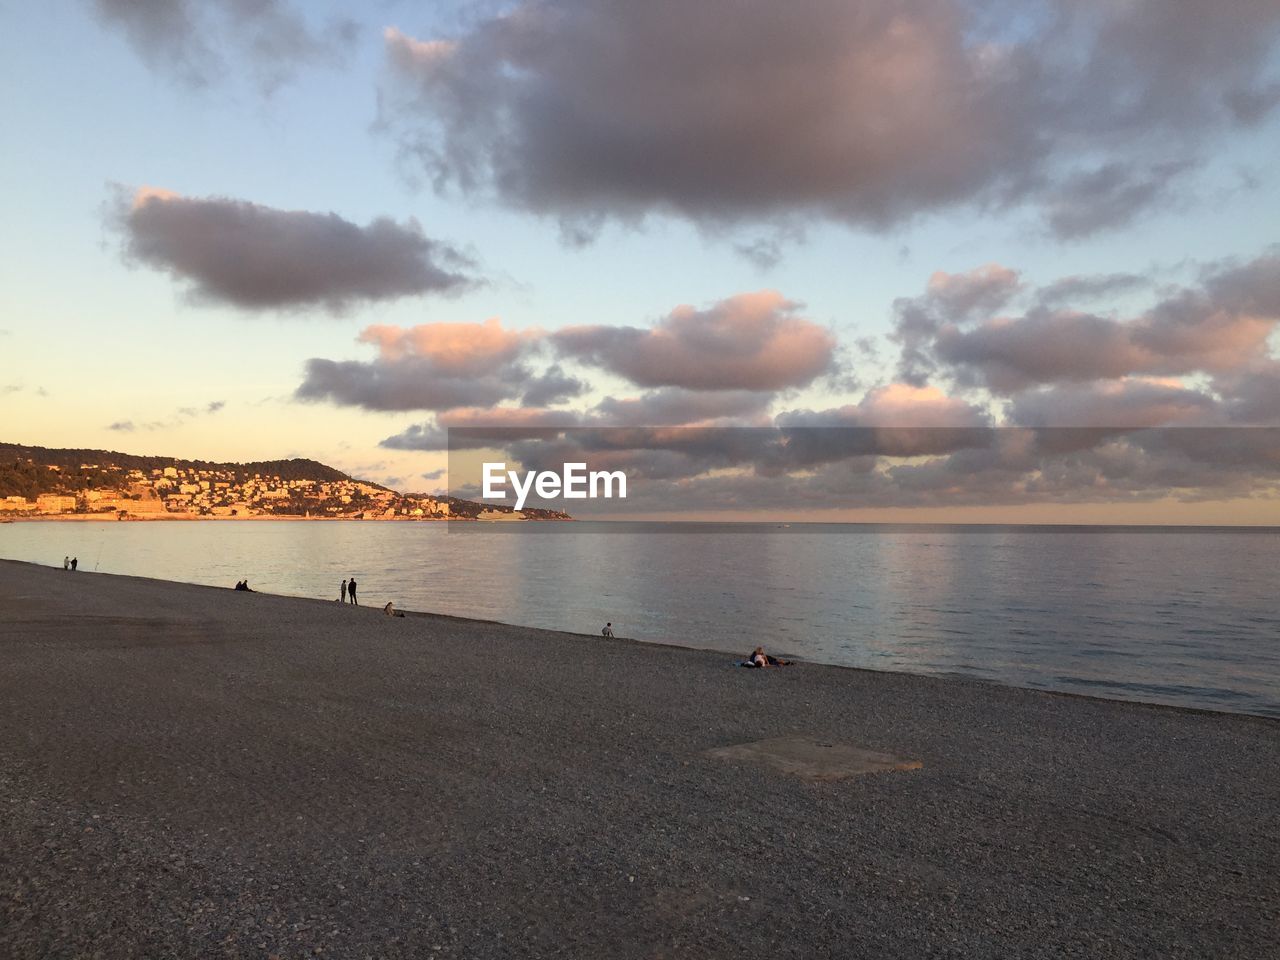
(189,771)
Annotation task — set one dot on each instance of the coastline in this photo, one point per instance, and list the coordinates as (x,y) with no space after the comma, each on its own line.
(178,517)
(273,775)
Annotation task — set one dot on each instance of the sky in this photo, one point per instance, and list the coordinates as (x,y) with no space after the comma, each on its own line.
(254,229)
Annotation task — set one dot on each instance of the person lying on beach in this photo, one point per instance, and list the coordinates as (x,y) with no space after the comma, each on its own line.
(760,659)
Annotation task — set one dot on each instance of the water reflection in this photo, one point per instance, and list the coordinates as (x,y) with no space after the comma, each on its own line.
(1176,617)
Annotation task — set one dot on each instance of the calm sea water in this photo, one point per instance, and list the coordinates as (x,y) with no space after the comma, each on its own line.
(1180,617)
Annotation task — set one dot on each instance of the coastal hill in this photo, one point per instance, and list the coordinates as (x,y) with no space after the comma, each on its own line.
(44,481)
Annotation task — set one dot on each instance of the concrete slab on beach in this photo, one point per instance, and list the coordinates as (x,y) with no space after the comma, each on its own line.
(193,772)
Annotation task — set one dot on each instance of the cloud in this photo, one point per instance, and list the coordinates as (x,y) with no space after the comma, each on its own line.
(192,39)
(259,258)
(1112,195)
(1084,289)
(408,385)
(695,469)
(752,341)
(553,386)
(678,406)
(867,113)
(433,366)
(6,389)
(497,426)
(1220,326)
(504,425)
(895,405)
(949,298)
(1251,395)
(1131,402)
(182,415)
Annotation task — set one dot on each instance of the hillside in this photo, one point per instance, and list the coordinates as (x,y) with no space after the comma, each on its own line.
(83,481)
(24,471)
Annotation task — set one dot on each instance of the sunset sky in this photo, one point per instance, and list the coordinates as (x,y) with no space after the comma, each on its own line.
(252,229)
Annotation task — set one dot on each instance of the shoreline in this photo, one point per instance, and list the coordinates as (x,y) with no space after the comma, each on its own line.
(665,645)
(177,517)
(187,770)
(887,525)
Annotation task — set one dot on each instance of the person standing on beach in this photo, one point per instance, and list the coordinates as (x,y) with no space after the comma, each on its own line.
(343,597)
(75,562)
(351,591)
(66,563)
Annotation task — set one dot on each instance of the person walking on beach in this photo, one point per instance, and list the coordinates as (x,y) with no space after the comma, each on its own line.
(75,562)
(608,630)
(343,598)
(351,591)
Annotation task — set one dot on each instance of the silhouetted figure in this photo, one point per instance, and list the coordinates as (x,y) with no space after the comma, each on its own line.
(343,597)
(75,562)
(351,591)
(243,585)
(608,630)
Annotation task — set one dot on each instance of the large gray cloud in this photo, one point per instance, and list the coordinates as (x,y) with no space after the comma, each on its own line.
(866,112)
(1220,326)
(193,39)
(753,341)
(255,257)
(794,468)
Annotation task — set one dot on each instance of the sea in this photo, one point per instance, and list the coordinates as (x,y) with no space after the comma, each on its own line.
(1173,615)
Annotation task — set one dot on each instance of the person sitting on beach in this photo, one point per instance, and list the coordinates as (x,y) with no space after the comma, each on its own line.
(391,611)
(608,630)
(760,659)
(240,584)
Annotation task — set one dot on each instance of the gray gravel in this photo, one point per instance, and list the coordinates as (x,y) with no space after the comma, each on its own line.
(192,772)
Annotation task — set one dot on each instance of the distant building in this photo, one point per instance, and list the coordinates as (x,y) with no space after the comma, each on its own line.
(55,503)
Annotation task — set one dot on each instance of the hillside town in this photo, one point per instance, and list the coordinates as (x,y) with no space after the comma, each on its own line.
(41,483)
(177,491)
